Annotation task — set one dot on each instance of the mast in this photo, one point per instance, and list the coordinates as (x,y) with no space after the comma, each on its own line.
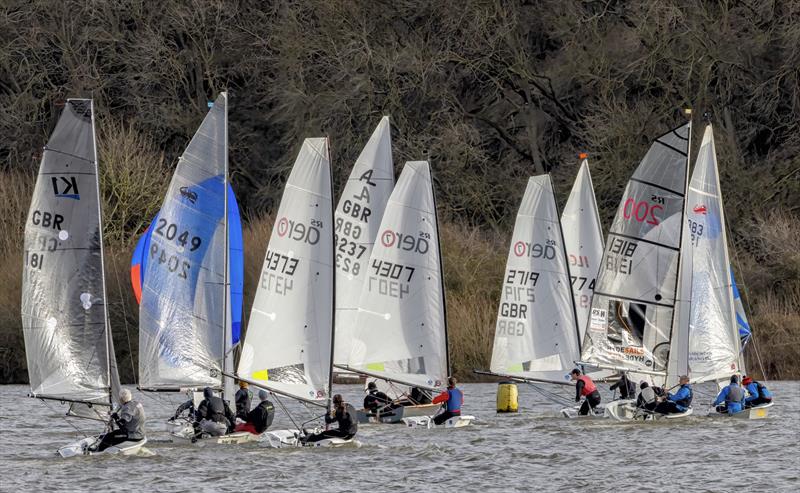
(226,267)
(566,263)
(102,257)
(688,112)
(441,276)
(333,283)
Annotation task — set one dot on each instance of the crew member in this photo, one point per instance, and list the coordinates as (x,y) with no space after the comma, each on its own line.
(453,397)
(375,399)
(647,397)
(242,400)
(627,389)
(758,393)
(678,402)
(129,419)
(730,398)
(343,415)
(585,387)
(260,418)
(214,415)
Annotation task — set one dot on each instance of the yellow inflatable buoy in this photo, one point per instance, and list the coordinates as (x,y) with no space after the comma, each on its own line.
(507,397)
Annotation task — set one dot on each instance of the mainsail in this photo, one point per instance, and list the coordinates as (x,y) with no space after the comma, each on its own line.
(583,239)
(713,331)
(536,335)
(401,332)
(183,321)
(288,344)
(357,219)
(68,341)
(633,307)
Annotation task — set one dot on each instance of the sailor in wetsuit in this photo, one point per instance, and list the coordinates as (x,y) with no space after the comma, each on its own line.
(730,399)
(242,400)
(342,415)
(647,399)
(129,418)
(260,418)
(375,399)
(678,402)
(627,389)
(758,393)
(214,415)
(584,386)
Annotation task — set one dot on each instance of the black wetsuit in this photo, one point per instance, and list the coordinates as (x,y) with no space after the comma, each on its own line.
(242,400)
(215,409)
(375,400)
(261,416)
(627,389)
(347,426)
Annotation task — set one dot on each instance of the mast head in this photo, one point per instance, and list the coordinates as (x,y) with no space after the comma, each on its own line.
(583,155)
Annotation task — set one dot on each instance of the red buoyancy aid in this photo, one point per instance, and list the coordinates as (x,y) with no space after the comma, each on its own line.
(588,385)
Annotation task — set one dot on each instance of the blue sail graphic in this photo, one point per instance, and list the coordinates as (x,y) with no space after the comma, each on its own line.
(741,318)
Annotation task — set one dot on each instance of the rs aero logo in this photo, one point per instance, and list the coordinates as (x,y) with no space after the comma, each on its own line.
(66,187)
(700,209)
(187,194)
(394,239)
(298,231)
(535,250)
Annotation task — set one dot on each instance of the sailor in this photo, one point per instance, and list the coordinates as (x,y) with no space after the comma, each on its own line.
(188,405)
(647,397)
(730,398)
(758,393)
(129,418)
(260,418)
(453,398)
(585,387)
(341,414)
(375,399)
(627,389)
(242,400)
(213,415)
(678,402)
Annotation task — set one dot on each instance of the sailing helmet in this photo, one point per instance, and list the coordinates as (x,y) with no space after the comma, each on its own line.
(125,396)
(747,381)
(263,394)
(208,392)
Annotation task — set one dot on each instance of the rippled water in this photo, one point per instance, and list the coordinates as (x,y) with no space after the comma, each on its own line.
(534,450)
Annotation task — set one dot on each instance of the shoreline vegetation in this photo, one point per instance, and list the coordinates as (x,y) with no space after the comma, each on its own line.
(489,92)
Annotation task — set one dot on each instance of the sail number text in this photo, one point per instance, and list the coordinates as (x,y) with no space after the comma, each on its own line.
(170,232)
(643,210)
(278,271)
(390,279)
(619,256)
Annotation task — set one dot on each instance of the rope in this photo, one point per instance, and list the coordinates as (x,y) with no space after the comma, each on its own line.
(78,430)
(551,396)
(291,418)
(127,332)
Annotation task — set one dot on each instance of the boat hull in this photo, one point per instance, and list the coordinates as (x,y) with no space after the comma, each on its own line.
(81,447)
(758,412)
(291,439)
(182,431)
(427,422)
(626,410)
(397,415)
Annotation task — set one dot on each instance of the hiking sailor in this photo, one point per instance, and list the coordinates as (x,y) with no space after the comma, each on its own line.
(260,418)
(647,397)
(678,402)
(342,415)
(585,387)
(375,399)
(213,415)
(758,393)
(129,419)
(453,398)
(627,389)
(730,398)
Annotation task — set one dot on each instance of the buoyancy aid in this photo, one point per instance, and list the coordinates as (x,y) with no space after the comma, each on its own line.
(454,400)
(686,401)
(648,395)
(588,386)
(735,395)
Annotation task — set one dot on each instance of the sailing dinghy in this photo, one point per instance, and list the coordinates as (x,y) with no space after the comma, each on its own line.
(638,321)
(185,321)
(400,333)
(288,347)
(68,343)
(714,324)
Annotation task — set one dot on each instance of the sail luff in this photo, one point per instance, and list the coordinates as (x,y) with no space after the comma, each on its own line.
(441,277)
(566,267)
(329,390)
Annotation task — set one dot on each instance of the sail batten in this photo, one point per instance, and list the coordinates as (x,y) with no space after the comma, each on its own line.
(67,338)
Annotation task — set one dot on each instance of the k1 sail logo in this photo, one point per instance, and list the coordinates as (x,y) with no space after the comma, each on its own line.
(700,209)
(65,187)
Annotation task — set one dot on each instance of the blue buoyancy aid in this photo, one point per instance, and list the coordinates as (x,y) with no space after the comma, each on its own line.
(454,400)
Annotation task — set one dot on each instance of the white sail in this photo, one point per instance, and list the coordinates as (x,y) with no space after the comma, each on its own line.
(356,220)
(68,342)
(630,323)
(287,347)
(713,331)
(182,314)
(583,238)
(536,334)
(400,332)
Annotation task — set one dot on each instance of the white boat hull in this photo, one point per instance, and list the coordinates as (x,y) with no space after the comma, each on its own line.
(81,447)
(758,412)
(182,431)
(291,439)
(427,422)
(626,410)
(397,415)
(574,413)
